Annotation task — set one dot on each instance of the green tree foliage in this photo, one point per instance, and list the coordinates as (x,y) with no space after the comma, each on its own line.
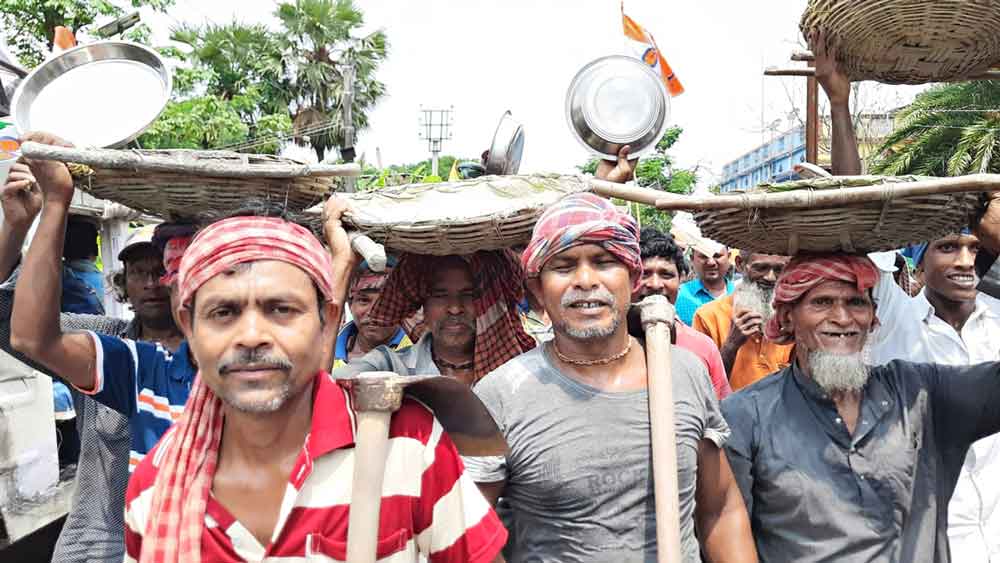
(656,171)
(316,41)
(948,130)
(29,25)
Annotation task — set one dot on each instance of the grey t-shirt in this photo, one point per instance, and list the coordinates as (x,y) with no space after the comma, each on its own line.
(579,465)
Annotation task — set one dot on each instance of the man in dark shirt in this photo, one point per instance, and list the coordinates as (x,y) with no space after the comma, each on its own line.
(839,461)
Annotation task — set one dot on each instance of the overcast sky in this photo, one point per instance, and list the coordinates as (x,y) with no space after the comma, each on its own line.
(487,56)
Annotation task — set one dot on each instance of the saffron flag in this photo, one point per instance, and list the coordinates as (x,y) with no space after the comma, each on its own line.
(643,46)
(454,176)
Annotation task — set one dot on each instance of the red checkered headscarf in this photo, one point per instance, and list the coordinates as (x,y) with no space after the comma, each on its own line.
(806,272)
(499,333)
(187,455)
(584,218)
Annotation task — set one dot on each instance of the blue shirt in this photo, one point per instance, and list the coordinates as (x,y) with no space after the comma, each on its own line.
(350,330)
(692,295)
(146,383)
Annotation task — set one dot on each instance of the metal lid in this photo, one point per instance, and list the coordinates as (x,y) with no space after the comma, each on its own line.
(102,94)
(508,145)
(616,101)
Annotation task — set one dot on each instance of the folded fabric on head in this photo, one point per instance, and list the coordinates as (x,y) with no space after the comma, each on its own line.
(579,219)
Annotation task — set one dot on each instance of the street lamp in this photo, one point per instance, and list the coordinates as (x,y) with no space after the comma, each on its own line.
(434,126)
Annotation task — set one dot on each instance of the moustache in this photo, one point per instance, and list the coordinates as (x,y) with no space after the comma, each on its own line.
(254,359)
(574,296)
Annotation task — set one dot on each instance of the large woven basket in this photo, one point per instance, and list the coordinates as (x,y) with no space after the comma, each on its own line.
(487,213)
(908,41)
(856,227)
(200,194)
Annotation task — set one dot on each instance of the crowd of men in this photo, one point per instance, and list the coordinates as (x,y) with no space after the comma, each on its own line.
(823,411)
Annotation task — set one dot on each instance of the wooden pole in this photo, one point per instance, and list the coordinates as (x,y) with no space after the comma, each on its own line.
(809,199)
(657,316)
(812,119)
(184,164)
(366,490)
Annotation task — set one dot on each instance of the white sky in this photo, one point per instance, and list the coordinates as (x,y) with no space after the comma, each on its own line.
(487,56)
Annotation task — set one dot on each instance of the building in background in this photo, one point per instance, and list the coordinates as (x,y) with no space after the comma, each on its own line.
(770,162)
(775,160)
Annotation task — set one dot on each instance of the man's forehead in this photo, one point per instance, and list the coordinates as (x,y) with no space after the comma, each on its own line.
(961,238)
(451,270)
(588,250)
(264,277)
(834,288)
(767,258)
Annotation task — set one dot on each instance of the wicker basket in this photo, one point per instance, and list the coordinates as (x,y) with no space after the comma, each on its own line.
(908,41)
(858,227)
(200,194)
(487,213)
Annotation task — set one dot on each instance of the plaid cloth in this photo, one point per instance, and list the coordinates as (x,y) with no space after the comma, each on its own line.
(579,219)
(226,243)
(189,452)
(804,273)
(499,334)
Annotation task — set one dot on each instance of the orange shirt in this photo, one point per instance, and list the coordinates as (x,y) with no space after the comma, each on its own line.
(756,359)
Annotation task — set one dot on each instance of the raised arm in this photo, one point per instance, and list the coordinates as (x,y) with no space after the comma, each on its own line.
(844,156)
(21,201)
(35,329)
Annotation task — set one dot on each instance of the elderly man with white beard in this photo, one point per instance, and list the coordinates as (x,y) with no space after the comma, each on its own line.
(736,322)
(839,461)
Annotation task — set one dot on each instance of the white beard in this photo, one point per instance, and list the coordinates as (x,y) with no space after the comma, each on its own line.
(838,373)
(749,296)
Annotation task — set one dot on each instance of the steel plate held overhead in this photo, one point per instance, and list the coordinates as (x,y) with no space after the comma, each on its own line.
(508,145)
(616,101)
(101,94)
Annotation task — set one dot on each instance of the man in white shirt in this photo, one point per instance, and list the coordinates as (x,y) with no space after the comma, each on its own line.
(951,322)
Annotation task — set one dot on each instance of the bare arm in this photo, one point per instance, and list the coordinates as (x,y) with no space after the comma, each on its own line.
(721,516)
(35,329)
(492,491)
(845,159)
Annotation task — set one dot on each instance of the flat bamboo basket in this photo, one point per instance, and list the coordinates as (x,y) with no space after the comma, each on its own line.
(486,213)
(848,227)
(908,41)
(193,184)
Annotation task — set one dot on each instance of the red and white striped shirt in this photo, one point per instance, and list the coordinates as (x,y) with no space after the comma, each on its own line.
(430,507)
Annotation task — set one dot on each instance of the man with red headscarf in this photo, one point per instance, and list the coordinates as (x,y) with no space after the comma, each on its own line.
(258,299)
(841,461)
(575,412)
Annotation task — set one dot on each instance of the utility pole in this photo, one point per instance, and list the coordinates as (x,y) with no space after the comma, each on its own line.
(347,103)
(434,125)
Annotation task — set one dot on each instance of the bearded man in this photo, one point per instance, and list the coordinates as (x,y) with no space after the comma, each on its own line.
(735,323)
(575,412)
(254,467)
(470,305)
(839,461)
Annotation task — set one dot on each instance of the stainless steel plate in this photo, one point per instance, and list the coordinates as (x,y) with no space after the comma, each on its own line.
(507,147)
(102,94)
(616,101)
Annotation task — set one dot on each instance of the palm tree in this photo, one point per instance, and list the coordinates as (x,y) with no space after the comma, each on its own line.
(316,41)
(948,130)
